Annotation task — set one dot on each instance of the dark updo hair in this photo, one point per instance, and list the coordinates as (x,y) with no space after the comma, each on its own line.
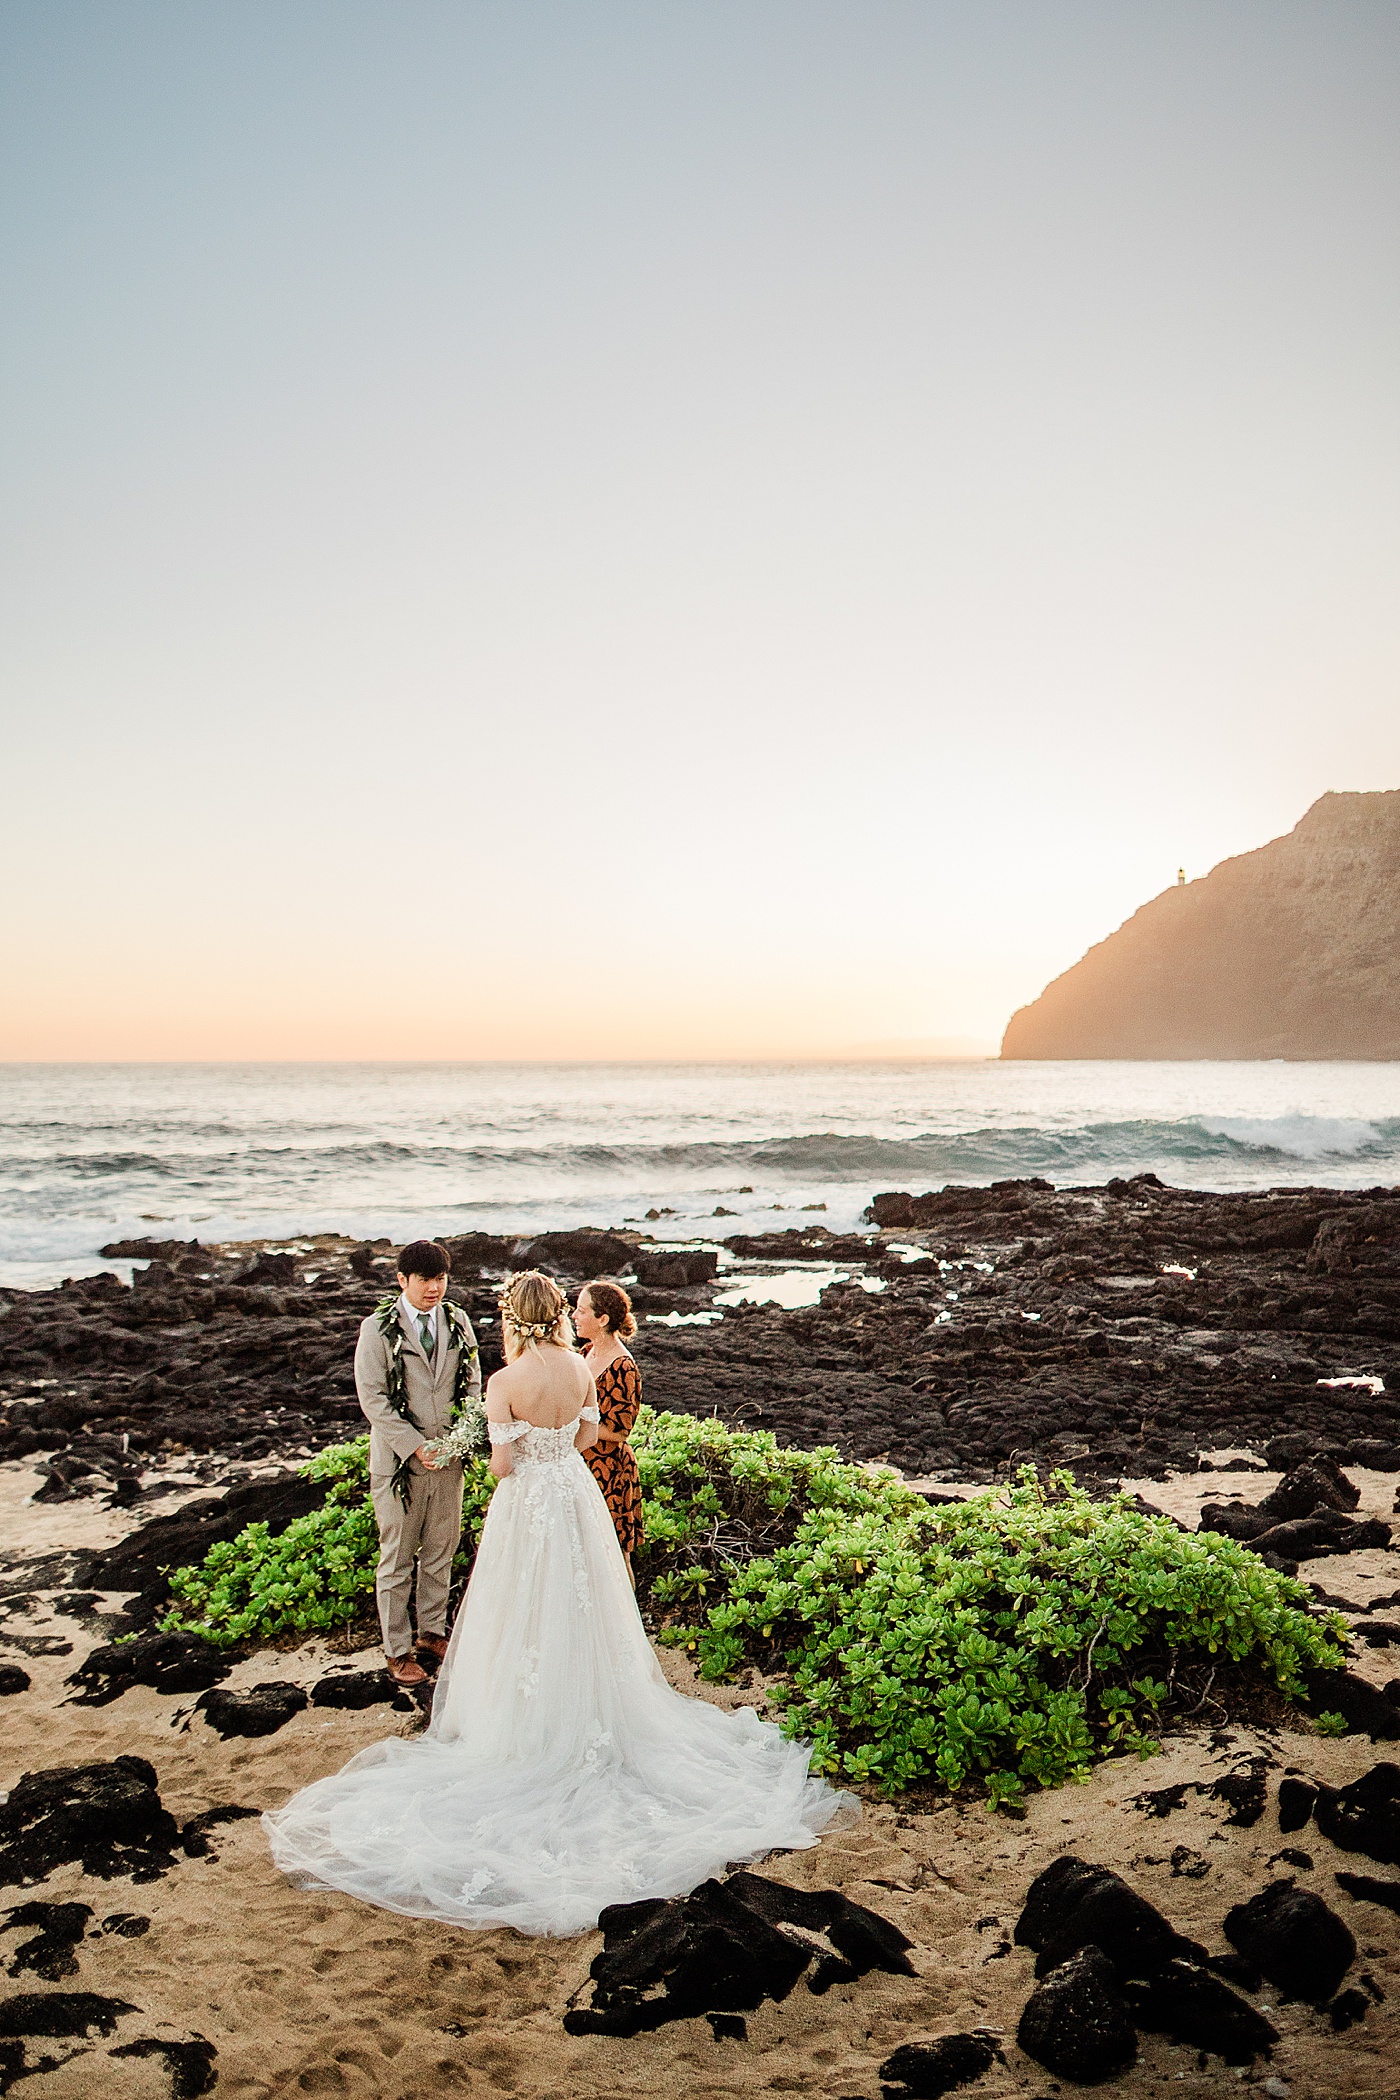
(611,1303)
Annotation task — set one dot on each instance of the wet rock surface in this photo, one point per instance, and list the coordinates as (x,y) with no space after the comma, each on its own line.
(1118,1329)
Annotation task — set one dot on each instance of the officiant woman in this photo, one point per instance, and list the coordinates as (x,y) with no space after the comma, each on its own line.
(604,1320)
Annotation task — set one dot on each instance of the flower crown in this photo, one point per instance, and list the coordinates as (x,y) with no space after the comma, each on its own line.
(529,1330)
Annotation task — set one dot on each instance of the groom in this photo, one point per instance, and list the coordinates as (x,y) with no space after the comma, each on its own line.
(415,1361)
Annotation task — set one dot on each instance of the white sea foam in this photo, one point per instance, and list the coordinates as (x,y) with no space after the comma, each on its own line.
(1297,1136)
(90,1154)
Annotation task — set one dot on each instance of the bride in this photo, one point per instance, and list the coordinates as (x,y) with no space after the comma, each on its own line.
(560,1772)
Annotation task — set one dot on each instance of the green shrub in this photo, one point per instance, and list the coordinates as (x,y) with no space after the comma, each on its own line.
(311,1578)
(1007,1640)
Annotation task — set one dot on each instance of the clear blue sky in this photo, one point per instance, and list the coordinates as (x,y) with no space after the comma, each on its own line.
(600,529)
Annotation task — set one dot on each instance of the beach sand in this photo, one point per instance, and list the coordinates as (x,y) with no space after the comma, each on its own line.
(321,1995)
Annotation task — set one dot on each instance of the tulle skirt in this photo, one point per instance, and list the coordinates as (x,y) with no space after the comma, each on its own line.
(560,1772)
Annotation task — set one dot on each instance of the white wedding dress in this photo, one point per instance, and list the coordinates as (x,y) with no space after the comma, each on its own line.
(560,1772)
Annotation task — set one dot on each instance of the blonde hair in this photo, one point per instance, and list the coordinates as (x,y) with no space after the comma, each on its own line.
(611,1303)
(533,1310)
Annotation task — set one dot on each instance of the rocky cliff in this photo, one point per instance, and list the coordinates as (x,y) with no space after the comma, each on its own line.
(1290,951)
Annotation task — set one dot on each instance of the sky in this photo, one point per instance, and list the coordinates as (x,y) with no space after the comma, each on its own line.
(558,528)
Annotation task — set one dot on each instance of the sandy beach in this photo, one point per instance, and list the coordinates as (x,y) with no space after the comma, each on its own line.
(306,1994)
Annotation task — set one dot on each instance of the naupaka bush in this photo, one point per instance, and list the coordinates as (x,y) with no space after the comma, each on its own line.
(1007,1640)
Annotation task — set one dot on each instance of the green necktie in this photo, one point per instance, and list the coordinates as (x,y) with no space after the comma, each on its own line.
(425,1329)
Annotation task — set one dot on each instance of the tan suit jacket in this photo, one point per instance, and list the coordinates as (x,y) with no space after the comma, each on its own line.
(429,1384)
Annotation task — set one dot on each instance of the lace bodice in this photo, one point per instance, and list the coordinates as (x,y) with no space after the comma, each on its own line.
(539,1447)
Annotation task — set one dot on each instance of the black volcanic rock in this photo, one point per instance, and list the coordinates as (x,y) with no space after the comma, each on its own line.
(1290,951)
(181,1540)
(109,1816)
(190,2064)
(1076,2022)
(928,2070)
(1362,1705)
(724,1949)
(60,1926)
(1188,2003)
(584,1253)
(1364,1816)
(1073,1904)
(260,1711)
(1294,1938)
(167,1662)
(1296,1801)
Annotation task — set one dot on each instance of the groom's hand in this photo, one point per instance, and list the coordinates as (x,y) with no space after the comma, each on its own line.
(426,1458)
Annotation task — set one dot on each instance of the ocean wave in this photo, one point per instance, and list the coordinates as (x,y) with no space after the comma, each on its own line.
(984,1154)
(1300,1136)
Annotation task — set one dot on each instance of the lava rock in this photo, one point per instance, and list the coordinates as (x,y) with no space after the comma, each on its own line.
(928,2070)
(1370,1888)
(1365,1816)
(1072,1905)
(1244,1791)
(139,1561)
(723,1949)
(190,2064)
(728,2027)
(50,1953)
(12,1679)
(585,1253)
(167,1662)
(109,1816)
(1296,1800)
(1076,2021)
(1301,1945)
(862,1937)
(1235,1969)
(194,1835)
(1192,2006)
(61,2013)
(354,1690)
(1364,1708)
(261,1711)
(705,1952)
(127,1924)
(676,1269)
(1320,1483)
(1347,2008)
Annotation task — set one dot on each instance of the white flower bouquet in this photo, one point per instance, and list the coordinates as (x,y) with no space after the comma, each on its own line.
(464,1438)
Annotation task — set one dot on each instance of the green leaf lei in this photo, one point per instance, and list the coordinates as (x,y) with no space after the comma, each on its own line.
(386,1317)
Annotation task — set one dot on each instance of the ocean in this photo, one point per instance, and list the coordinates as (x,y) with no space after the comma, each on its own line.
(91,1153)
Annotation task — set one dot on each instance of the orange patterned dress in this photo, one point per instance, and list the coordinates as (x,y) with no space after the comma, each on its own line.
(614,1466)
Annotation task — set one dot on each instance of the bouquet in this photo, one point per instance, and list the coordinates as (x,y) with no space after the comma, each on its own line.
(465,1437)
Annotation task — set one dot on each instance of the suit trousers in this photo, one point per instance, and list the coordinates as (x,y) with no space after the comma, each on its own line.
(429,1528)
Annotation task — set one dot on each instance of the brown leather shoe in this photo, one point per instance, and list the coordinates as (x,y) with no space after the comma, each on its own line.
(403,1670)
(431,1645)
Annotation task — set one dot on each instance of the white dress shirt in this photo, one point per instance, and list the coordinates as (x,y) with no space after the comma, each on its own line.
(412,1314)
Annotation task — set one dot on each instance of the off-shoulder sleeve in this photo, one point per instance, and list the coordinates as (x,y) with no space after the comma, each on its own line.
(589,1414)
(506,1432)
